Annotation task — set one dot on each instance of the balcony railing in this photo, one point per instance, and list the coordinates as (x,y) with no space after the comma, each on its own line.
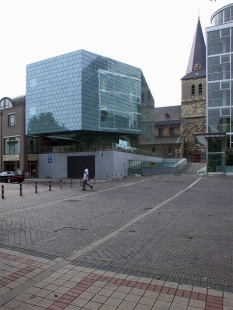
(88,148)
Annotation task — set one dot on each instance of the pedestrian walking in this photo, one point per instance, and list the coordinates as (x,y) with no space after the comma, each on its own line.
(86,178)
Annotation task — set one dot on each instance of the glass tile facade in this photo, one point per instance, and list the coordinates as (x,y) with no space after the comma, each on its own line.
(220,86)
(84,92)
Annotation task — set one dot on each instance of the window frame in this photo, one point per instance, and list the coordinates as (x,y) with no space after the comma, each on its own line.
(11,120)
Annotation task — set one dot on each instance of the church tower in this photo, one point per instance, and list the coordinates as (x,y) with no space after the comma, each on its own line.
(193,104)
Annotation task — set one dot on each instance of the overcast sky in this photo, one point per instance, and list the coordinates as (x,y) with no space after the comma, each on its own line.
(153,35)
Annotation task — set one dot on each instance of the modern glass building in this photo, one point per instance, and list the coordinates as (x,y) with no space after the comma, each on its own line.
(220,91)
(85,99)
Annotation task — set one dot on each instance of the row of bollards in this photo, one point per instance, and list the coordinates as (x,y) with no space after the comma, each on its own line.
(113,178)
(36,188)
(50,185)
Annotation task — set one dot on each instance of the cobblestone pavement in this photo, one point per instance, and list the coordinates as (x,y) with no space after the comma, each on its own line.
(161,242)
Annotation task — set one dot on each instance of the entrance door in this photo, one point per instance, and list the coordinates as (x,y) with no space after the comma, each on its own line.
(32,168)
(75,166)
(197,158)
(229,163)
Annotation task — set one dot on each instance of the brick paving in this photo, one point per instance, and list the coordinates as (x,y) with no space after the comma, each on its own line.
(162,242)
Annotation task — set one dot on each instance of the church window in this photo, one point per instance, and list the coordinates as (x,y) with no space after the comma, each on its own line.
(160,132)
(193,90)
(172,131)
(200,89)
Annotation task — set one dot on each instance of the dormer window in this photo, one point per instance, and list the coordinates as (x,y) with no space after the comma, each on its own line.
(193,90)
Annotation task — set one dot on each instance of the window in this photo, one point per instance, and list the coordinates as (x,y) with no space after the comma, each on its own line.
(172,131)
(32,145)
(11,145)
(6,103)
(169,150)
(153,150)
(200,89)
(193,90)
(160,132)
(11,119)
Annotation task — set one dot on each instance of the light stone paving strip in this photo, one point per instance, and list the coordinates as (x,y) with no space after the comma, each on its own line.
(74,287)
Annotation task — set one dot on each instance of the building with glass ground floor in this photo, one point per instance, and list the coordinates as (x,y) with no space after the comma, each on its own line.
(82,102)
(219,117)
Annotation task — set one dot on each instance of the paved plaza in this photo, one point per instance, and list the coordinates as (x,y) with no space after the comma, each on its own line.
(156,242)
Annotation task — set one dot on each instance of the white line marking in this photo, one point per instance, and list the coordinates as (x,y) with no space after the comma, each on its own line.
(117,231)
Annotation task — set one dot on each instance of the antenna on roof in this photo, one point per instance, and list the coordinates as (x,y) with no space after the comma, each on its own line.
(198,13)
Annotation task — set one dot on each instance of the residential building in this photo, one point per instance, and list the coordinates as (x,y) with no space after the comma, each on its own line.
(18,151)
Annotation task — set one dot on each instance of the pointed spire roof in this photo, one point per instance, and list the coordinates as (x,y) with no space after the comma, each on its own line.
(197,59)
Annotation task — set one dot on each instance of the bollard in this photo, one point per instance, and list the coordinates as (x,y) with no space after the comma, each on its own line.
(50,186)
(71,185)
(20,189)
(94,179)
(112,178)
(121,176)
(2,191)
(81,181)
(36,187)
(116,177)
(60,184)
(107,178)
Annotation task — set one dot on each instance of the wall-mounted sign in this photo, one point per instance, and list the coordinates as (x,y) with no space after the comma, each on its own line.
(33,157)
(12,157)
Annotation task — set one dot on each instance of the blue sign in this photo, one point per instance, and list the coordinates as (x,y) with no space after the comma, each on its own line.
(50,158)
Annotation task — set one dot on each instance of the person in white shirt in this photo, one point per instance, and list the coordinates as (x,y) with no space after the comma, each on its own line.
(86,178)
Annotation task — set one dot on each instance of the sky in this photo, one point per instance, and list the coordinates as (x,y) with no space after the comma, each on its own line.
(153,35)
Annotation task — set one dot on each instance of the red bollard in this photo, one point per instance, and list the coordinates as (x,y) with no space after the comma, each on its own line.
(2,191)
(50,186)
(60,184)
(20,189)
(36,187)
(71,185)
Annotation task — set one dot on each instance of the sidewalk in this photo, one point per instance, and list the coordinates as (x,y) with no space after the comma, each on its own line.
(29,282)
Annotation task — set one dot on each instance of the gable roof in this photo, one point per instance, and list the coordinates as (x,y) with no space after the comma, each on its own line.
(168,115)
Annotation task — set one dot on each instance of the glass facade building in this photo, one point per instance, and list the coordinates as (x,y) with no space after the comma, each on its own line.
(220,90)
(88,98)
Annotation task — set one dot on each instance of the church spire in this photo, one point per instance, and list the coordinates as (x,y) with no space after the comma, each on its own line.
(197,59)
